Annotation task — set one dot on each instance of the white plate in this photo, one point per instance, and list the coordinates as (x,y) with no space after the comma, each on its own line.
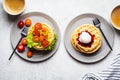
(102,52)
(16,34)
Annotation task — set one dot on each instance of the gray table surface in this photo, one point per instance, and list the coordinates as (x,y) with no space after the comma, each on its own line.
(61,66)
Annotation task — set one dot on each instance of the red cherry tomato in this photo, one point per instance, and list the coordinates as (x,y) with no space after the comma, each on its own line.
(29,54)
(20,48)
(36,33)
(45,43)
(38,26)
(24,41)
(20,24)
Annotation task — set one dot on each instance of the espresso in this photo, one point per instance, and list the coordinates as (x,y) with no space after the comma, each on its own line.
(14,6)
(115,16)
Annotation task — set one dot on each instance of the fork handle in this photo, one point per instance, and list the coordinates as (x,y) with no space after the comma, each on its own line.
(15,48)
(105,38)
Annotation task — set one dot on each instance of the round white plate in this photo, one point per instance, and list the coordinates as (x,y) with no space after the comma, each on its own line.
(16,34)
(87,19)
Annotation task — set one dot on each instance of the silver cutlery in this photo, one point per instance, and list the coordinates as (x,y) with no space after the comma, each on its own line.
(98,24)
(23,34)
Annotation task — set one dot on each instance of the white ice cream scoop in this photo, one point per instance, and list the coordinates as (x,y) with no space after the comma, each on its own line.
(85,37)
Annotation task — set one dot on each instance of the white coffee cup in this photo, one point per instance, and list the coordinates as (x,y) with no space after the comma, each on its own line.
(14,7)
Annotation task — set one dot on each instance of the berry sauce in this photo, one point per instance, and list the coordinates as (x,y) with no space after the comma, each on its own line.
(83,44)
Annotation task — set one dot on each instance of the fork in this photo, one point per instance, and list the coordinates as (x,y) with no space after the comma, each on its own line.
(98,24)
(23,34)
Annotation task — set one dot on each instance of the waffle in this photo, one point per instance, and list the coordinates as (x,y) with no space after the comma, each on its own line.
(97,40)
(50,35)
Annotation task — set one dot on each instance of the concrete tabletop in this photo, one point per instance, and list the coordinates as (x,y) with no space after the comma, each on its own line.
(61,66)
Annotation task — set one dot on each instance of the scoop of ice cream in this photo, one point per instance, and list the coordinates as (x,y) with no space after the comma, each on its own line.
(85,37)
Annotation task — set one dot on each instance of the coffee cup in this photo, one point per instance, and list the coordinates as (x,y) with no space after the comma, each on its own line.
(115,17)
(14,7)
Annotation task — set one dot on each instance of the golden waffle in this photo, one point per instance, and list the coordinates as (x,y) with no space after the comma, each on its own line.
(96,44)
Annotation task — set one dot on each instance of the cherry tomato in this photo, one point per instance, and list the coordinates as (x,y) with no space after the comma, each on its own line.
(44,30)
(20,24)
(45,43)
(36,33)
(24,41)
(41,38)
(36,38)
(38,26)
(28,22)
(45,36)
(20,48)
(29,54)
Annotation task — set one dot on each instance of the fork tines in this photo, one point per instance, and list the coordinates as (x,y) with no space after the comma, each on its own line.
(96,21)
(24,32)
